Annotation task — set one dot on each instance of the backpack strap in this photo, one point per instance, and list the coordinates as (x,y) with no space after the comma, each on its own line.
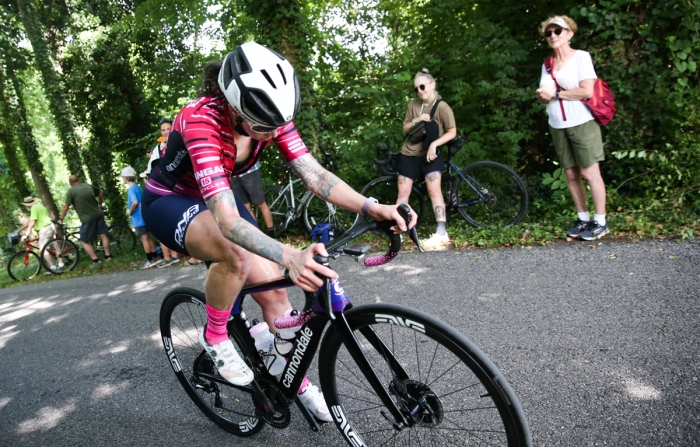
(549,67)
(432,111)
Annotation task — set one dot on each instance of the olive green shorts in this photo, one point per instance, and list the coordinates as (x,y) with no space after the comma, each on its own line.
(581,145)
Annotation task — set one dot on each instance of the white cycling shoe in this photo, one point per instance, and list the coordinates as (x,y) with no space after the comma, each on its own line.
(314,401)
(227,360)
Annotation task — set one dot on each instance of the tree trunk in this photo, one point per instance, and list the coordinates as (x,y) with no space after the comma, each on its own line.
(7,139)
(53,88)
(27,144)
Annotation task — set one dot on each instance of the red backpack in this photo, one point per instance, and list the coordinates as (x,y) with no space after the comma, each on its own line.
(601,104)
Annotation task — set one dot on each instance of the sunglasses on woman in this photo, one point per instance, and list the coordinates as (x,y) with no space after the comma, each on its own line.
(557,31)
(422,87)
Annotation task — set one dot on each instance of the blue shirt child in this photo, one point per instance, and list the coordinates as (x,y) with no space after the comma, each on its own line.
(135,193)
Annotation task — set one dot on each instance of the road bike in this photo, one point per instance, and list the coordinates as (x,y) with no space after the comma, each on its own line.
(485,193)
(390,374)
(287,206)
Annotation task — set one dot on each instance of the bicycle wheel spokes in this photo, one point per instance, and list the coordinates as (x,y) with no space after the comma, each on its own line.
(183,316)
(318,211)
(61,252)
(121,238)
(23,266)
(385,190)
(494,196)
(450,394)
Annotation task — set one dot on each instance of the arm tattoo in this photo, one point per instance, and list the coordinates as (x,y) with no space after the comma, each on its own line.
(315,177)
(239,231)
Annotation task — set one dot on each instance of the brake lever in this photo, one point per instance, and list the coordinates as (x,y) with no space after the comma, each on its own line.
(405,212)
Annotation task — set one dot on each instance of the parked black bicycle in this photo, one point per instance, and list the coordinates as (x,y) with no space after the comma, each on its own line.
(485,193)
(390,374)
(121,238)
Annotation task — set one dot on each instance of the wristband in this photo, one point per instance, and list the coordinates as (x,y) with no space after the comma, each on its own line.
(367,204)
(558,94)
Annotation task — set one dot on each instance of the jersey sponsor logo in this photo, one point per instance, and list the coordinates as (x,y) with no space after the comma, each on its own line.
(208,172)
(302,343)
(186,217)
(176,162)
(398,321)
(352,437)
(168,343)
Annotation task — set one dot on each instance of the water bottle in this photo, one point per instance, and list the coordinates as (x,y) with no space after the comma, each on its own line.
(264,343)
(284,338)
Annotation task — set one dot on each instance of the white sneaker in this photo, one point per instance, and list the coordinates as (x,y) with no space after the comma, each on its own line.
(61,265)
(229,363)
(53,268)
(313,399)
(436,242)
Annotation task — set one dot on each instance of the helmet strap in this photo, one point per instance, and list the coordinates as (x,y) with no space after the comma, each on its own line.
(237,123)
(239,127)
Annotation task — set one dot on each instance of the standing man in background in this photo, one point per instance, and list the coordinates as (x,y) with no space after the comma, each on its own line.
(92,219)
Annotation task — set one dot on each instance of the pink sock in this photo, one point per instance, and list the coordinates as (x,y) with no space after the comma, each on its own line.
(304,384)
(216,325)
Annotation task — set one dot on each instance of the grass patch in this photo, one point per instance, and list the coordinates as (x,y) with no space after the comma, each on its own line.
(542,226)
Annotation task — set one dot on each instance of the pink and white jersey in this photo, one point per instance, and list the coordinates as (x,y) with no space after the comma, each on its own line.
(200,153)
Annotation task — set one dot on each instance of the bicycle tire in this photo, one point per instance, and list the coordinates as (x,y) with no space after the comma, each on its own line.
(466,399)
(68,251)
(503,200)
(24,265)
(278,205)
(385,190)
(182,315)
(317,211)
(121,238)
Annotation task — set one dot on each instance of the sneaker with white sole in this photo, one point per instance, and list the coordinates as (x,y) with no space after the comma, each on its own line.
(227,360)
(314,401)
(578,228)
(594,231)
(436,242)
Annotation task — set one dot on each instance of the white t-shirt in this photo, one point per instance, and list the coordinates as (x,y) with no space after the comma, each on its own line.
(577,69)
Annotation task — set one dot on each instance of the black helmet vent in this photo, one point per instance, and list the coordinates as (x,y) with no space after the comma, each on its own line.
(284,78)
(269,79)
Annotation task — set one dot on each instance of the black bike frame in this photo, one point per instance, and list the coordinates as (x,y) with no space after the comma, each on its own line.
(328,305)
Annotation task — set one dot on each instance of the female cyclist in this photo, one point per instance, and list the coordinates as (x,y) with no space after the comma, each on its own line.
(247,102)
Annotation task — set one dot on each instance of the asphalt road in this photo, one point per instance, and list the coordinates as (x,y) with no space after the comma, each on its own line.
(601,344)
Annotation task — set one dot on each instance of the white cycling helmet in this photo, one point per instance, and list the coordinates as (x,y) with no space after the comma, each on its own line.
(260,85)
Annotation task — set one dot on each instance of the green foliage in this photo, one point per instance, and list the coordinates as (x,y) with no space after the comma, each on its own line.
(111,69)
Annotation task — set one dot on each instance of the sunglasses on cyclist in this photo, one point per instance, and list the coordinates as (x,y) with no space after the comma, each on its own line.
(422,87)
(260,129)
(557,31)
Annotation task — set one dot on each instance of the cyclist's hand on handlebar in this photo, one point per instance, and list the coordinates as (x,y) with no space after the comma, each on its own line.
(303,269)
(390,212)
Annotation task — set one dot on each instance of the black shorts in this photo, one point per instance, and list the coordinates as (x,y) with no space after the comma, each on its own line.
(95,226)
(168,217)
(249,188)
(140,231)
(416,168)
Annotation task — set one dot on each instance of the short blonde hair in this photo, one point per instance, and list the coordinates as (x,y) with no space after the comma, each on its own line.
(556,20)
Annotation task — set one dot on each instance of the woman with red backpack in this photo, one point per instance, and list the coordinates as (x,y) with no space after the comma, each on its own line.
(567,80)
